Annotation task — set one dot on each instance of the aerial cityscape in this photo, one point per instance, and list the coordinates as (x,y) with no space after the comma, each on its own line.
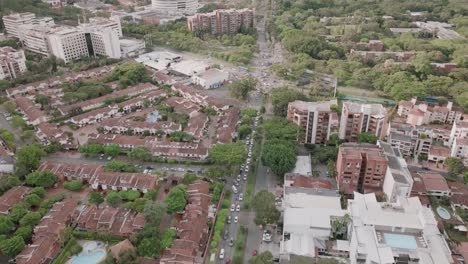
(233,131)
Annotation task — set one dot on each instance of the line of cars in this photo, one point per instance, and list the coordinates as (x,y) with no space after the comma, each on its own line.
(237,191)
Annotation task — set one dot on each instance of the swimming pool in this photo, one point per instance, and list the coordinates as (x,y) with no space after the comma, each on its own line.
(443,213)
(153,117)
(400,241)
(91,254)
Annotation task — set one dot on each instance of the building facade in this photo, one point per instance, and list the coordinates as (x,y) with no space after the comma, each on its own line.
(175,6)
(362,118)
(223,21)
(360,168)
(316,118)
(12,63)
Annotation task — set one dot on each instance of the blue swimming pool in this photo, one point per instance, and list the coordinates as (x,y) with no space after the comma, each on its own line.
(91,254)
(400,241)
(443,213)
(153,117)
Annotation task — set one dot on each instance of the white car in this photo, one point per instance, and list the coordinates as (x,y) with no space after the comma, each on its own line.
(241,197)
(238,208)
(236,219)
(221,254)
(233,207)
(181,169)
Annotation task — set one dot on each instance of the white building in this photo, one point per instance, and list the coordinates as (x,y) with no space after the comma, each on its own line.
(68,44)
(131,47)
(189,67)
(14,21)
(385,233)
(112,22)
(188,7)
(398,181)
(458,141)
(308,217)
(12,63)
(210,79)
(35,38)
(159,60)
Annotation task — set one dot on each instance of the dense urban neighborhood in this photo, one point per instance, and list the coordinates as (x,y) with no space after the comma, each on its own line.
(244,131)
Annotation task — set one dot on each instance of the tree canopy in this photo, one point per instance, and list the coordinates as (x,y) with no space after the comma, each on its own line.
(241,88)
(230,154)
(265,208)
(41,178)
(177,199)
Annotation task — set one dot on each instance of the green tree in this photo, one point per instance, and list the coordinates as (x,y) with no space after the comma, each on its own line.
(96,198)
(190,178)
(30,219)
(12,246)
(6,225)
(230,154)
(331,168)
(112,150)
(10,107)
(367,138)
(241,88)
(280,128)
(154,211)
(17,212)
(265,208)
(43,100)
(263,258)
(280,156)
(25,232)
(91,150)
(18,122)
(281,97)
(455,166)
(119,166)
(243,131)
(42,178)
(113,198)
(140,153)
(149,247)
(129,195)
(39,191)
(176,199)
(168,237)
(73,185)
(28,158)
(33,200)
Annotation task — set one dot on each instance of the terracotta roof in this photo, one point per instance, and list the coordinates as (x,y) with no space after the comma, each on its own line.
(12,197)
(297,180)
(120,247)
(439,151)
(426,182)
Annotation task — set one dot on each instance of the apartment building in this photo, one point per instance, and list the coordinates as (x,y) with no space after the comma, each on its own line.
(316,118)
(14,21)
(223,21)
(100,36)
(458,141)
(361,168)
(360,118)
(68,43)
(397,232)
(175,6)
(420,113)
(12,63)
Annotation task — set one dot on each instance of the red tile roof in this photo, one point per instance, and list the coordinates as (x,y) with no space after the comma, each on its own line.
(426,182)
(296,180)
(12,197)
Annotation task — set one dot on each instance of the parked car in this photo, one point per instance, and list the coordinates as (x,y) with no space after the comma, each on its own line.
(241,197)
(254,252)
(231,242)
(238,208)
(267,236)
(229,219)
(236,219)
(221,254)
(226,234)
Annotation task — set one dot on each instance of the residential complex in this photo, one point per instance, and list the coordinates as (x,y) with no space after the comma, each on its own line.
(421,113)
(188,7)
(316,118)
(361,168)
(222,21)
(12,63)
(99,36)
(402,231)
(362,118)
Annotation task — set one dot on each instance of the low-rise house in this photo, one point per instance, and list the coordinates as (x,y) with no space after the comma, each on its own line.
(420,113)
(430,184)
(199,97)
(459,196)
(13,196)
(32,114)
(438,154)
(210,79)
(109,220)
(121,247)
(47,133)
(372,55)
(12,63)
(100,179)
(192,228)
(122,126)
(301,181)
(46,239)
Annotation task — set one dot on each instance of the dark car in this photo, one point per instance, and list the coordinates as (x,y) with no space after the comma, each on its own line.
(226,234)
